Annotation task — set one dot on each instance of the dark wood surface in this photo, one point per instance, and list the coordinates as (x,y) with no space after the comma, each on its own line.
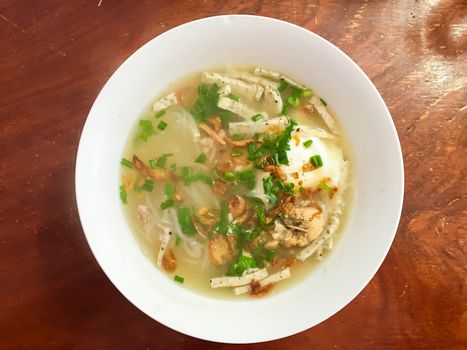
(56,55)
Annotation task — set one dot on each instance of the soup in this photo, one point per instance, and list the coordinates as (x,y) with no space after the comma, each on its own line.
(236,180)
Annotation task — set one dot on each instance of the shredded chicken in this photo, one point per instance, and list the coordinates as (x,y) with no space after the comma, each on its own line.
(299,227)
(221,249)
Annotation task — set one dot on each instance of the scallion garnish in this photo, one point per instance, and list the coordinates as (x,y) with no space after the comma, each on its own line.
(127,163)
(307,143)
(178,240)
(237,137)
(229,176)
(316,161)
(162,125)
(325,186)
(148,185)
(233,97)
(201,158)
(307,93)
(123,196)
(162,160)
(293,101)
(160,113)
(257,117)
(168,203)
(323,101)
(178,279)
(152,164)
(147,129)
(185,221)
(283,86)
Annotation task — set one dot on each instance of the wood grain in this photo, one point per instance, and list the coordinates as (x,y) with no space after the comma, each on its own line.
(56,55)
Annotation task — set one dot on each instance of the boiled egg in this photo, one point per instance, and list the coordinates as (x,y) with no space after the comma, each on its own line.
(300,170)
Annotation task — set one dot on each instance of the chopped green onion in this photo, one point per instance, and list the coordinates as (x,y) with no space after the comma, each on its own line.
(307,93)
(225,117)
(301,190)
(169,203)
(283,86)
(178,279)
(307,143)
(325,186)
(162,160)
(293,101)
(169,189)
(201,158)
(229,176)
(233,97)
(323,101)
(178,240)
(316,161)
(148,185)
(123,196)
(173,167)
(127,163)
(160,113)
(147,129)
(236,154)
(237,137)
(222,225)
(285,109)
(152,164)
(162,125)
(185,221)
(257,117)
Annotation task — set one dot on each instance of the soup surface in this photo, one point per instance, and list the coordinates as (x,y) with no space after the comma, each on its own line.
(236,181)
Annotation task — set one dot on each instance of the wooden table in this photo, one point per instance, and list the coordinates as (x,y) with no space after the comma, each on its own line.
(56,55)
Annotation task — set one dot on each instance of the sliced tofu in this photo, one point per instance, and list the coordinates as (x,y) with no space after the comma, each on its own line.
(274,278)
(234,281)
(236,107)
(225,90)
(239,87)
(250,128)
(165,102)
(279,76)
(323,112)
(253,79)
(273,99)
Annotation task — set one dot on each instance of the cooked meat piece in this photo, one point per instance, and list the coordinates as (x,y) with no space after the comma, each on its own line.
(236,205)
(219,188)
(221,250)
(299,227)
(271,244)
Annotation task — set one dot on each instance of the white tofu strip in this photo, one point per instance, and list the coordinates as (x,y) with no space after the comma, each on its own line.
(276,75)
(274,278)
(165,102)
(253,79)
(251,91)
(234,281)
(236,107)
(323,112)
(273,99)
(225,90)
(250,128)
(327,233)
(164,243)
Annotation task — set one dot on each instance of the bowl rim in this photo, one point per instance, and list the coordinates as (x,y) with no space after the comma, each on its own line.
(394,223)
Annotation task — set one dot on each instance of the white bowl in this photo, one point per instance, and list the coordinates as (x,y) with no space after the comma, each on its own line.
(304,56)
